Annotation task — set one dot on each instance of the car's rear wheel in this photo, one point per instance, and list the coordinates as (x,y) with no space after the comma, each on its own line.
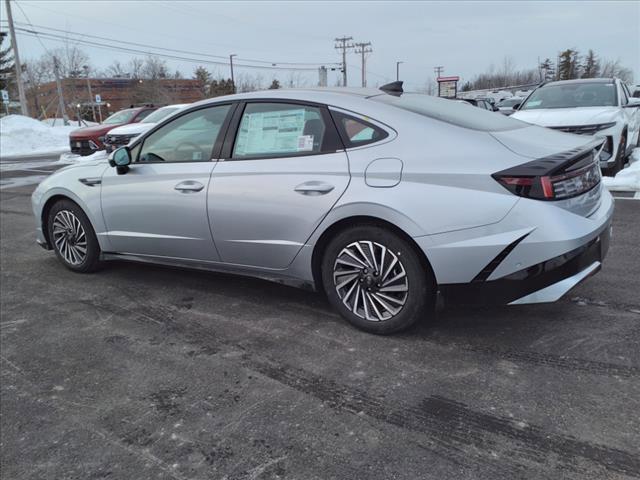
(73,238)
(376,280)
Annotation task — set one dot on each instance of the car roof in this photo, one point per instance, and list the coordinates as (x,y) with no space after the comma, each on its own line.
(581,80)
(330,96)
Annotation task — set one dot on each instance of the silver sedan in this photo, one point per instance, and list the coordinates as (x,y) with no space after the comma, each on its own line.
(383,200)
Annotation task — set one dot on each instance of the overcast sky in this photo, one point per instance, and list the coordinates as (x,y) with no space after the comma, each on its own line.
(464,37)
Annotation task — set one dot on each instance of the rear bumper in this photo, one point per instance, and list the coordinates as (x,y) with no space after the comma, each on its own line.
(547,281)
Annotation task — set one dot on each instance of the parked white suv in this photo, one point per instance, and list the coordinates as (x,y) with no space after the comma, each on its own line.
(121,136)
(591,106)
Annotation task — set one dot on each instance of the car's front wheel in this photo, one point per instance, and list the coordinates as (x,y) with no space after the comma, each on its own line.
(72,237)
(376,280)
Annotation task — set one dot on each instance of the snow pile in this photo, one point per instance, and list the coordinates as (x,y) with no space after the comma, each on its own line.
(628,178)
(68,157)
(20,135)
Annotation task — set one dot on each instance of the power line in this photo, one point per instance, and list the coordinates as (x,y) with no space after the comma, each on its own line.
(265,62)
(63,39)
(364,50)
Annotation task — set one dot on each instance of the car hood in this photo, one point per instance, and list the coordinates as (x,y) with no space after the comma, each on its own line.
(565,117)
(88,132)
(538,142)
(132,129)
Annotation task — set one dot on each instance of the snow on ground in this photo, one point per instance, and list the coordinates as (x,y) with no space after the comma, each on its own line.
(628,178)
(20,135)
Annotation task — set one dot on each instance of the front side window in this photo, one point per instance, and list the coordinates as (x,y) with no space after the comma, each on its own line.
(356,132)
(572,95)
(279,129)
(188,138)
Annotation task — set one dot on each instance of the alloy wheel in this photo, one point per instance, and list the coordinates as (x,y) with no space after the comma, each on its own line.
(371,280)
(69,237)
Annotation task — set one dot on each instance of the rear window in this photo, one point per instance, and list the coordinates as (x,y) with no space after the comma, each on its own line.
(451,112)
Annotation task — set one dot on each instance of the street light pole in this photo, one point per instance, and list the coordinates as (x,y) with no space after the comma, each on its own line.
(233,82)
(398,70)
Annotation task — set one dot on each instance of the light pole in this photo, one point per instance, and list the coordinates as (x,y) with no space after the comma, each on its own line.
(233,82)
(398,70)
(91,99)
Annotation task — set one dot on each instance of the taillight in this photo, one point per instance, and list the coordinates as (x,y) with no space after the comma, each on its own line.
(553,178)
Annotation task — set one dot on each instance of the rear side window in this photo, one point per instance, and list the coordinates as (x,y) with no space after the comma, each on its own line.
(356,132)
(451,112)
(279,130)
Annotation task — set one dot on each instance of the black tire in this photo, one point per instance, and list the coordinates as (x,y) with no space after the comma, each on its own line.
(420,284)
(90,261)
(620,157)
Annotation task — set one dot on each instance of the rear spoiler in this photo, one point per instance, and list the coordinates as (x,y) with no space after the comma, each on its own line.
(557,163)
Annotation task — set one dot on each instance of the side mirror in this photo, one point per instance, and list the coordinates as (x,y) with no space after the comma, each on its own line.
(121,159)
(516,106)
(495,109)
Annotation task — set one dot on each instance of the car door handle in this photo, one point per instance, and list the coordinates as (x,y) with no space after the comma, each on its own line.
(189,186)
(314,188)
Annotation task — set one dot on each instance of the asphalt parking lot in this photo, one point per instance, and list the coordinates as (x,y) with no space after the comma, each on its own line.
(141,372)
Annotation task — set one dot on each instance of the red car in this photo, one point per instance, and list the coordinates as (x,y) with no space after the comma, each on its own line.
(88,140)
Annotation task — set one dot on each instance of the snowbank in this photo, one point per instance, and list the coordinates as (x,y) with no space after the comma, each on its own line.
(20,135)
(628,178)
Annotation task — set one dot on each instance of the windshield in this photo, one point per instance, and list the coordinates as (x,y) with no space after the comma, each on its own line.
(510,102)
(123,116)
(451,112)
(572,95)
(158,115)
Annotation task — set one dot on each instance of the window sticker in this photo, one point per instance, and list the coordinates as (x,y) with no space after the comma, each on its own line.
(271,132)
(305,143)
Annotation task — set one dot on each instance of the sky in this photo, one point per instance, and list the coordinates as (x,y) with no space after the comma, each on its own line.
(466,38)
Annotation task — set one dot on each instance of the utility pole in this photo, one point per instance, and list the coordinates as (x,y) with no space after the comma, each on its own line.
(56,69)
(438,71)
(343,45)
(363,50)
(398,70)
(91,99)
(233,82)
(18,65)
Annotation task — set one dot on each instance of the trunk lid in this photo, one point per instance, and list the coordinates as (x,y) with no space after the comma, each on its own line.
(563,169)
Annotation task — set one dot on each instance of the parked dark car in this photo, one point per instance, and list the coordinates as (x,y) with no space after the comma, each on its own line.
(480,103)
(88,140)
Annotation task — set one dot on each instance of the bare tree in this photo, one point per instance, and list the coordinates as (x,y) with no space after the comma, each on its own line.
(613,68)
(116,70)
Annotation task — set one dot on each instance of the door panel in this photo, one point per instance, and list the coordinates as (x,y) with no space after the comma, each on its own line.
(159,209)
(263,211)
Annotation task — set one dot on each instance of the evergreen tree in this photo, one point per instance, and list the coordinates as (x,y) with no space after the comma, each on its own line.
(547,69)
(591,65)
(7,68)
(274,85)
(221,87)
(204,77)
(568,65)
